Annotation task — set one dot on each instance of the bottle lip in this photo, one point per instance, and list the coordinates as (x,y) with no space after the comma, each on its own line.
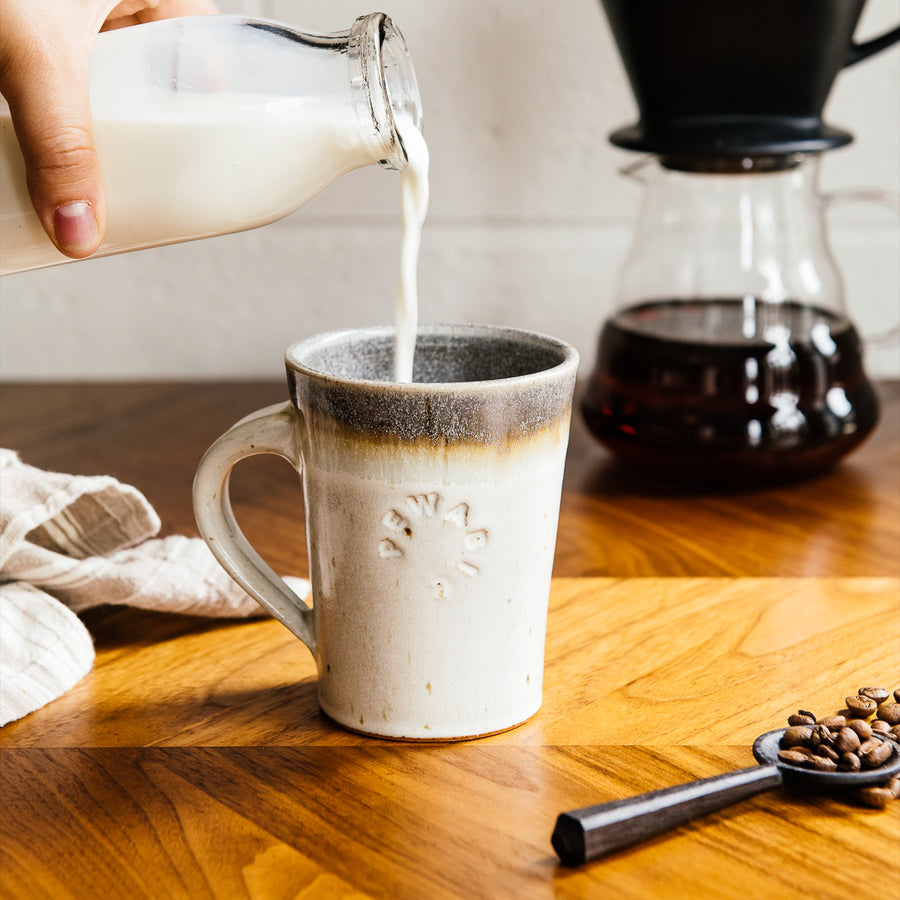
(384,83)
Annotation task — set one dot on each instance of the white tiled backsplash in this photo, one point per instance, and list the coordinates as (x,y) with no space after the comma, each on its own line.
(528,223)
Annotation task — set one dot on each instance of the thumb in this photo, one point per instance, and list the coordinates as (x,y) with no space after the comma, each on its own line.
(49,101)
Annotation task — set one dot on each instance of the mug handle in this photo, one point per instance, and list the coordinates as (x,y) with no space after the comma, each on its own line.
(831,199)
(271,430)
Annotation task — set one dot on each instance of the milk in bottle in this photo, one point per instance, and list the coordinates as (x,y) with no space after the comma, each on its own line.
(214,124)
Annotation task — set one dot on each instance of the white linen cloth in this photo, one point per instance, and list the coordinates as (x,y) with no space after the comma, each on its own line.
(71,542)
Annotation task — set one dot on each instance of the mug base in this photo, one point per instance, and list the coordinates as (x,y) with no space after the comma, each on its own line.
(426,739)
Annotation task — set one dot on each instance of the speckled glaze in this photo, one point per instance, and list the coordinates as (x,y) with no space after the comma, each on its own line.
(431,511)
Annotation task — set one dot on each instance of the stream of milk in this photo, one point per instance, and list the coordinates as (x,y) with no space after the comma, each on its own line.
(414,189)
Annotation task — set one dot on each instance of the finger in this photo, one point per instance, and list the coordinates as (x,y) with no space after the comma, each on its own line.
(133,12)
(130,8)
(48,96)
(167,9)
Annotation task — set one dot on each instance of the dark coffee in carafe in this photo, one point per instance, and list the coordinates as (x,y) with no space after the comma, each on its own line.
(680,391)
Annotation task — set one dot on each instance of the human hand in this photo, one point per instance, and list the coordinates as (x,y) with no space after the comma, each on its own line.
(45,47)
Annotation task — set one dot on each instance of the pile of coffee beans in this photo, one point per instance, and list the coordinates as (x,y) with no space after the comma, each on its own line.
(863,736)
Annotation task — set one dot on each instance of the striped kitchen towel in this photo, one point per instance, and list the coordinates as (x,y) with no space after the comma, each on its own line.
(71,542)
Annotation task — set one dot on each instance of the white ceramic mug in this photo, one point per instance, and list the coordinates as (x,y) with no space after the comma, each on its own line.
(431,517)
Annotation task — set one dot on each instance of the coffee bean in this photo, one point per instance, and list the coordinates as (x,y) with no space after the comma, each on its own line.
(806,751)
(877,797)
(880,727)
(861,707)
(800,718)
(895,732)
(897,694)
(847,741)
(797,734)
(849,762)
(861,727)
(833,723)
(792,757)
(877,756)
(821,764)
(868,745)
(821,734)
(878,694)
(894,786)
(890,713)
(827,752)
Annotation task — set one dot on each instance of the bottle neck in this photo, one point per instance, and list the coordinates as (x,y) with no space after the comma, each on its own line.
(384,85)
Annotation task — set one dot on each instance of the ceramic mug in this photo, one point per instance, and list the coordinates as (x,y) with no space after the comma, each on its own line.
(431,518)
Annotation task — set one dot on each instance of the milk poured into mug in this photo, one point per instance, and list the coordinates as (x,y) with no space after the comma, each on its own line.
(229,134)
(415,204)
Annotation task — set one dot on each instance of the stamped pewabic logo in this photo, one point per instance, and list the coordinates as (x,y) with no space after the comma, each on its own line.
(425,525)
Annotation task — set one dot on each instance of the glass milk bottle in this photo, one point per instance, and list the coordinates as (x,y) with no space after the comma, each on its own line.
(214,124)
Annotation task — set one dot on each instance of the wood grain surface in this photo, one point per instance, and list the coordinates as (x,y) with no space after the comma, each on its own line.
(201,764)
(612,522)
(193,760)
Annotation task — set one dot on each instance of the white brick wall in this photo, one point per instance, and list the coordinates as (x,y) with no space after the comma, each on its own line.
(528,224)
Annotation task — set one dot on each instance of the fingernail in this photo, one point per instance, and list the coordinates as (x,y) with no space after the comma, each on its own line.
(75,226)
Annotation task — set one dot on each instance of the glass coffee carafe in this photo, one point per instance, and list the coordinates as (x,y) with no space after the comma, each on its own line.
(730,355)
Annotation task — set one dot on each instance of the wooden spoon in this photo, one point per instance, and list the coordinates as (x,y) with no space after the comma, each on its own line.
(596,831)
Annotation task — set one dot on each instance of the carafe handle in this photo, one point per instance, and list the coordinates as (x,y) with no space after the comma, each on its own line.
(831,199)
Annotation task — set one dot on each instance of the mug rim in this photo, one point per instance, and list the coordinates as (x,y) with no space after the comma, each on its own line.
(569,355)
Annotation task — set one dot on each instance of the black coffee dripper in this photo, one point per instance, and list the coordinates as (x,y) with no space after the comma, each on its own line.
(718,78)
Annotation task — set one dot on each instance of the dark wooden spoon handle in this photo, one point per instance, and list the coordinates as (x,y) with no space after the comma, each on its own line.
(596,831)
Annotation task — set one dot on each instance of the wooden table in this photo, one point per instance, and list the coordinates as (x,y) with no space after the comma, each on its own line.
(193,762)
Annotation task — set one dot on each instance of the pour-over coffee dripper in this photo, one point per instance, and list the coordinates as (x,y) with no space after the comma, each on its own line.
(715,78)
(730,356)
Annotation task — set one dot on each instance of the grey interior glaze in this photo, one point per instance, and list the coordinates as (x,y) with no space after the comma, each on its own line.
(444,354)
